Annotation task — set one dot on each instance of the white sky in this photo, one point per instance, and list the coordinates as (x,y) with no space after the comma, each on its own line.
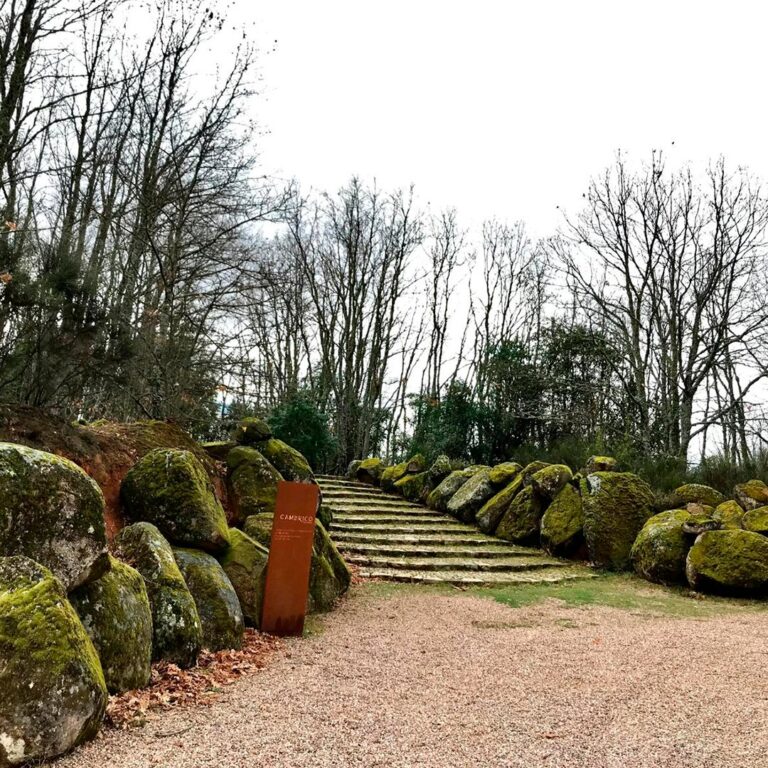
(504,108)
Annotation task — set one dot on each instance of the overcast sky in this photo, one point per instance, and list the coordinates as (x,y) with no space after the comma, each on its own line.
(505,108)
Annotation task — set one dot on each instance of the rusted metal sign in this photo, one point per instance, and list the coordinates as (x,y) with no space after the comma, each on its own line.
(290,558)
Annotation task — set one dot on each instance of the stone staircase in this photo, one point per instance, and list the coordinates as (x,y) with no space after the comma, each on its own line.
(391,539)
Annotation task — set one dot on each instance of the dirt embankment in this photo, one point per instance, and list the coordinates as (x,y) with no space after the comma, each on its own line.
(105,450)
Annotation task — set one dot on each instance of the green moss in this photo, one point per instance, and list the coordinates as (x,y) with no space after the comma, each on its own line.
(440,468)
(251,430)
(286,460)
(116,614)
(661,547)
(493,510)
(438,498)
(729,561)
(471,496)
(696,493)
(352,469)
(412,486)
(390,476)
(171,489)
(325,516)
(252,484)
(549,480)
(177,634)
(752,494)
(729,514)
(601,464)
(53,690)
(215,597)
(522,520)
(245,563)
(562,525)
(218,450)
(370,470)
(616,506)
(503,474)
(756,520)
(53,513)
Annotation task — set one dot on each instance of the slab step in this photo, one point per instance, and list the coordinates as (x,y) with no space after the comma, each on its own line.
(506,564)
(468,578)
(421,538)
(435,550)
(378,518)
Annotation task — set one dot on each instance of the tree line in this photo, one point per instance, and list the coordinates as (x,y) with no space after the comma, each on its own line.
(148,269)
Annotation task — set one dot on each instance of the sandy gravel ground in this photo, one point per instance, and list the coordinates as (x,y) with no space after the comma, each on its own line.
(425,680)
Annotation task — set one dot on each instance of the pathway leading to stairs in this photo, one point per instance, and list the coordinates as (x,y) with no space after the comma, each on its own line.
(390,538)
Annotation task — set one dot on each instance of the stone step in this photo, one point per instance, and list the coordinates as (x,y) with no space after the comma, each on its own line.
(365,498)
(415,528)
(378,518)
(468,578)
(354,490)
(506,564)
(422,538)
(436,550)
(384,509)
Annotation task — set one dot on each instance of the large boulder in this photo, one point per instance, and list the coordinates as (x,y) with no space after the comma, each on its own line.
(412,487)
(729,562)
(439,497)
(251,431)
(177,634)
(370,471)
(562,525)
(469,499)
(170,489)
(390,476)
(215,597)
(729,514)
(616,506)
(696,493)
(503,474)
(218,450)
(756,520)
(550,480)
(351,473)
(245,563)
(493,510)
(751,495)
(661,547)
(601,464)
(52,513)
(438,470)
(252,483)
(521,522)
(116,615)
(287,461)
(52,690)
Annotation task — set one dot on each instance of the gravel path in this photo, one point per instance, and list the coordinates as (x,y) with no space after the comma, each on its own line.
(448,681)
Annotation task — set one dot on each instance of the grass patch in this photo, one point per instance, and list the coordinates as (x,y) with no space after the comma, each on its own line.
(623,591)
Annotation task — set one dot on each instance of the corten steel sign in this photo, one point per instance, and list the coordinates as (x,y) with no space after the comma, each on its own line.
(290,558)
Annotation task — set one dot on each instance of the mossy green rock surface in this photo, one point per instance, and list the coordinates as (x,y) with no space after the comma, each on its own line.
(177,634)
(522,520)
(218,450)
(286,460)
(562,525)
(439,469)
(438,498)
(171,489)
(729,514)
(756,520)
(601,464)
(412,486)
(352,468)
(116,615)
(391,475)
(52,513)
(469,499)
(370,471)
(616,506)
(52,690)
(503,474)
(215,597)
(251,430)
(729,562)
(252,483)
(751,495)
(661,547)
(245,562)
(493,510)
(696,493)
(550,480)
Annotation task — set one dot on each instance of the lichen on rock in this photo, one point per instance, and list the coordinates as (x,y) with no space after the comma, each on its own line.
(245,563)
(471,496)
(756,520)
(439,497)
(661,547)
(751,495)
(562,525)
(729,514)
(370,470)
(493,510)
(252,483)
(251,430)
(697,493)
(729,561)
(522,521)
(550,480)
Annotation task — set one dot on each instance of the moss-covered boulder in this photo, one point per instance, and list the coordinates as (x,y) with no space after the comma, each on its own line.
(601,464)
(411,487)
(325,516)
(251,431)
(330,576)
(52,513)
(696,493)
(529,470)
(503,474)
(417,463)
(116,615)
(351,473)
(370,471)
(438,470)
(616,506)
(729,562)
(390,476)
(252,483)
(756,520)
(287,461)
(729,514)
(218,450)
(550,480)
(177,634)
(52,690)
(215,597)
(439,497)
(661,547)
(469,499)
(493,510)
(521,522)
(751,495)
(245,562)
(562,525)
(170,489)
